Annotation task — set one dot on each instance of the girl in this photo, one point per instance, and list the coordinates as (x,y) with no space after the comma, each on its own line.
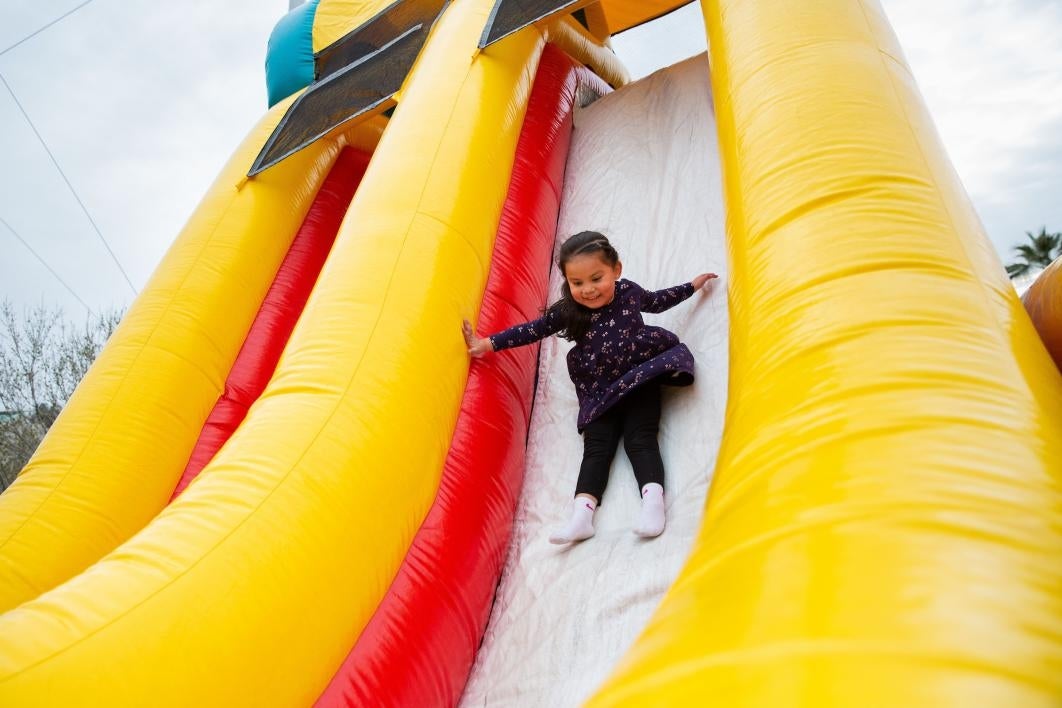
(618,364)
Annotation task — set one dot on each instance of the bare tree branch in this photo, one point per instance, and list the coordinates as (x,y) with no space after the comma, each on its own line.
(42,359)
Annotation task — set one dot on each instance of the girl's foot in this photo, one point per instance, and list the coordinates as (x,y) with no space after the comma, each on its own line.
(580,525)
(651,519)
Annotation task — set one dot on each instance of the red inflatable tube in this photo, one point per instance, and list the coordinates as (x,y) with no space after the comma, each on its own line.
(280,310)
(419,646)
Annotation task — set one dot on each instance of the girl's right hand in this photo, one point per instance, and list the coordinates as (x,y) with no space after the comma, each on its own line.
(477,346)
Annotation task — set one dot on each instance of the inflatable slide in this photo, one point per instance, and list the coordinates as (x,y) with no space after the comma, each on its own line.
(284,483)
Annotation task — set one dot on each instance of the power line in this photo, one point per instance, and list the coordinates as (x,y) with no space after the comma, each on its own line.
(34,34)
(69,185)
(44,263)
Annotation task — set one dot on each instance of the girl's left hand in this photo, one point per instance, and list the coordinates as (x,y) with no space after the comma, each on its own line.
(701,279)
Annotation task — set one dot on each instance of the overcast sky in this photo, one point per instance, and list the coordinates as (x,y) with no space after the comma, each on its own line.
(142,103)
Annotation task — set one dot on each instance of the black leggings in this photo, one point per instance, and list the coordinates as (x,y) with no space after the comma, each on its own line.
(636,419)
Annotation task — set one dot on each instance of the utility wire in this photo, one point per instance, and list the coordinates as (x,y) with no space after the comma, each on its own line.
(69,185)
(44,263)
(34,34)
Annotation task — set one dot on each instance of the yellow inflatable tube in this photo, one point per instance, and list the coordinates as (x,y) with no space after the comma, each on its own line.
(112,459)
(885,521)
(252,586)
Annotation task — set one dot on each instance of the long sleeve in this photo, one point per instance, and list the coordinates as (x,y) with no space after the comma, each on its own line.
(661,300)
(526,333)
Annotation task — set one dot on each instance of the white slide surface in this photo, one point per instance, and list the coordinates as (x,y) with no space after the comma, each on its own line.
(643,168)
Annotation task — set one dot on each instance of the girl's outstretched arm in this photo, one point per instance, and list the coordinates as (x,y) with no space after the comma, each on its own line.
(517,336)
(661,300)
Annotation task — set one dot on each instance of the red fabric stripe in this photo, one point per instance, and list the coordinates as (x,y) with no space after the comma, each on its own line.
(418,647)
(280,310)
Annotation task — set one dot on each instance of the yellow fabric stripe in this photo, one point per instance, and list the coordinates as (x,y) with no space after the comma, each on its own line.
(885,522)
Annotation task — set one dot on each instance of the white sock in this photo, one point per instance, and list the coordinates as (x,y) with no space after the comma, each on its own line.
(651,519)
(580,525)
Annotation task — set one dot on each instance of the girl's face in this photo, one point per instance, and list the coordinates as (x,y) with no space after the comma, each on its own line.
(591,279)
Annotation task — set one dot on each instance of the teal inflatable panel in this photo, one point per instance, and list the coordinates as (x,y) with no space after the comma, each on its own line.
(289,58)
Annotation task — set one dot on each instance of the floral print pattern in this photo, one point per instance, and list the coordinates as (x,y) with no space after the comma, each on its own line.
(619,352)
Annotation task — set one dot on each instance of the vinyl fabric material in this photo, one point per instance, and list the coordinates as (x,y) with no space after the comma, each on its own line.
(1043,302)
(621,15)
(289,64)
(279,312)
(885,520)
(643,168)
(419,646)
(336,18)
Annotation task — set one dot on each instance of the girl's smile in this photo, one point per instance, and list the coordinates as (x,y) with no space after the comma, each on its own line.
(592,280)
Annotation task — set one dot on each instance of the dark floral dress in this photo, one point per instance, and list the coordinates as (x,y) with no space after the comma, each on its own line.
(619,352)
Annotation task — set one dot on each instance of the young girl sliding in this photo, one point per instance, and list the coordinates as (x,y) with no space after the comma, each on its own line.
(618,364)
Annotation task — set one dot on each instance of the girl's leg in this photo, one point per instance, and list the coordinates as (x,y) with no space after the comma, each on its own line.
(640,427)
(600,440)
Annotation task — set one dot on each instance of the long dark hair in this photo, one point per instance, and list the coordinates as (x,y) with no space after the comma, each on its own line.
(576,317)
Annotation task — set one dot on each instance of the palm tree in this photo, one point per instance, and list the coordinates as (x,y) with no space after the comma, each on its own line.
(1038,253)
